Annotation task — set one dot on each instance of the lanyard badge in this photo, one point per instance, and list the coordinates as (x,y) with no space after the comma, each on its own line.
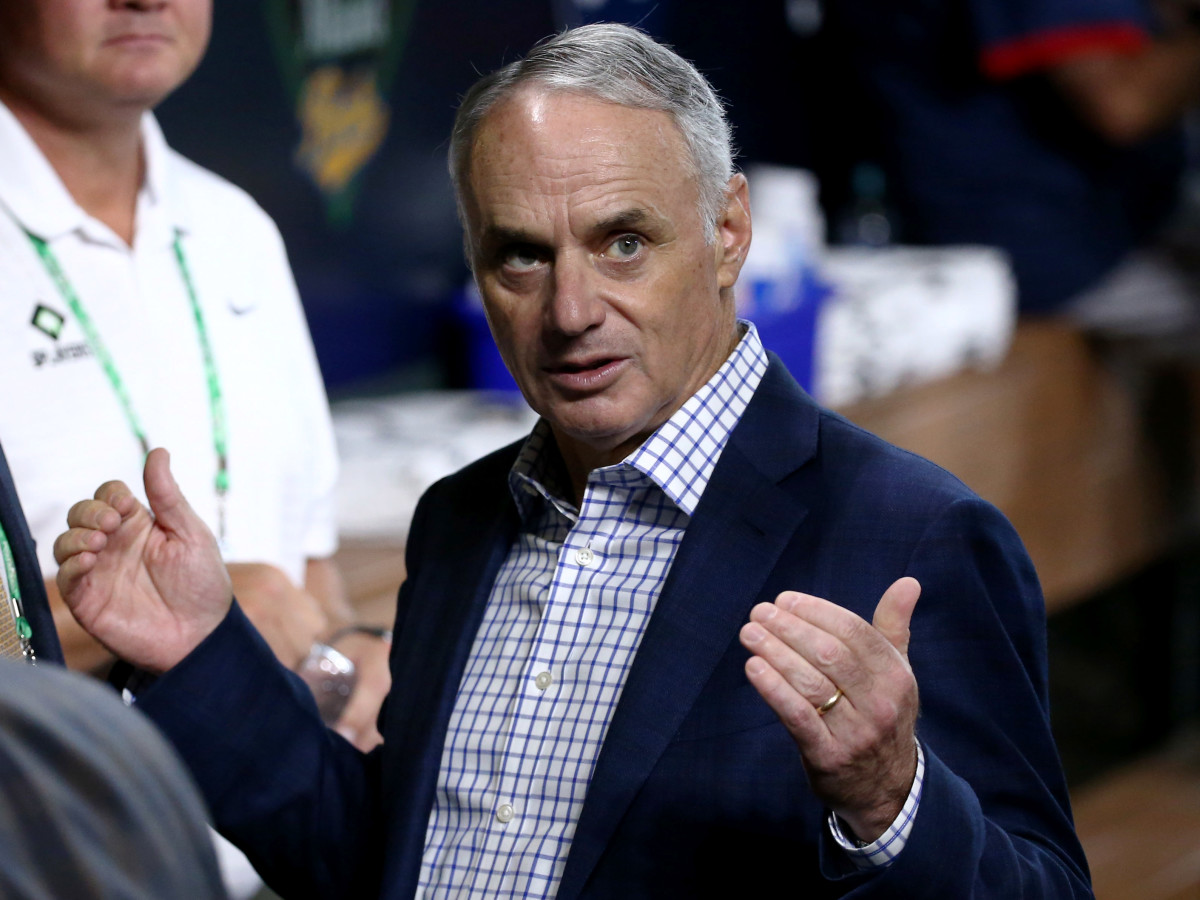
(15,633)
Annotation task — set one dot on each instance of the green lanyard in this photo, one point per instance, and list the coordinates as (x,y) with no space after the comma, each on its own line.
(24,632)
(216,402)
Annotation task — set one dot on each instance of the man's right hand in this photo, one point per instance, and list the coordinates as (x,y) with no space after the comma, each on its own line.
(148,587)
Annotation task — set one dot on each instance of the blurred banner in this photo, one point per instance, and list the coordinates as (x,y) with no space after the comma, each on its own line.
(338,60)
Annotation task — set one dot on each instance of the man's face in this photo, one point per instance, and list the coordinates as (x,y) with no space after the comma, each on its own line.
(79,58)
(608,300)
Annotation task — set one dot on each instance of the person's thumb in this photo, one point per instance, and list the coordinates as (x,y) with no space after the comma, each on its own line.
(170,507)
(894,612)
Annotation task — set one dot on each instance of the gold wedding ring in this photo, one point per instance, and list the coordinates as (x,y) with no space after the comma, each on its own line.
(830,703)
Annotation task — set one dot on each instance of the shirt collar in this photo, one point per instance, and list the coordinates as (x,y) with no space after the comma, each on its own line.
(159,206)
(38,200)
(679,456)
(538,476)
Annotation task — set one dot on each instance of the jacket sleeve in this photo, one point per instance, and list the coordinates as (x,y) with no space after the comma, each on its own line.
(300,801)
(994,819)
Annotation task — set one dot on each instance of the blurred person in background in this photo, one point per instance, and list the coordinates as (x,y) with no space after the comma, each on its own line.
(1053,129)
(94,804)
(154,300)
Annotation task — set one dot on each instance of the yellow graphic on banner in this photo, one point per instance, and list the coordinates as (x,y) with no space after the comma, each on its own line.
(344,121)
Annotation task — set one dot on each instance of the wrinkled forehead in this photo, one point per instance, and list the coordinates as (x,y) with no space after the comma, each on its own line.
(548,142)
(556,122)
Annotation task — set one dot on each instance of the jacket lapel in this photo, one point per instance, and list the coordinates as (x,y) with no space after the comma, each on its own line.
(742,525)
(427,664)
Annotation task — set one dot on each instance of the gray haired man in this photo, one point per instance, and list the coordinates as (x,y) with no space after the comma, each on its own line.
(614,672)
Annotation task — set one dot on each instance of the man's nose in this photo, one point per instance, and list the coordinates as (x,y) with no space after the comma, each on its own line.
(575,303)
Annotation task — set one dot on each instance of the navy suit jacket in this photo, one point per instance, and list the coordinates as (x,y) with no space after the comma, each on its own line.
(29,573)
(698,790)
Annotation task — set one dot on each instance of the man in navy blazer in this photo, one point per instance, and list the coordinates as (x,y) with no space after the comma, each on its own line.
(668,646)
(43,642)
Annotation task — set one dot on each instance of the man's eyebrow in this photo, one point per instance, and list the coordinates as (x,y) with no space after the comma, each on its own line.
(505,236)
(502,236)
(622,221)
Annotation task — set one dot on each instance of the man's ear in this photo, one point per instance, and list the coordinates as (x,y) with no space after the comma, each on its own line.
(733,231)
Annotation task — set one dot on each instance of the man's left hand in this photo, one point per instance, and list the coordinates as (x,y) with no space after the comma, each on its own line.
(860,753)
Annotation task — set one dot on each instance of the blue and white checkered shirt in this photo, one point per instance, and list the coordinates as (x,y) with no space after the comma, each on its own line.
(562,625)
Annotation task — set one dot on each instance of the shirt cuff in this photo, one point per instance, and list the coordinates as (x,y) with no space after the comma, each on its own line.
(887,847)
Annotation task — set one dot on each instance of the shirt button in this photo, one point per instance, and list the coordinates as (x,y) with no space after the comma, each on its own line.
(543,680)
(504,813)
(584,556)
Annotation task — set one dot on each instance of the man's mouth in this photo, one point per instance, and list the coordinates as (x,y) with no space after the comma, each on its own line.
(136,38)
(571,368)
(586,375)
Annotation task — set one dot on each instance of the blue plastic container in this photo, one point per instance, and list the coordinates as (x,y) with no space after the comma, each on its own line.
(790,329)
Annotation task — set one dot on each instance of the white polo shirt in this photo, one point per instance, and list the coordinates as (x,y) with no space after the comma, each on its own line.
(62,425)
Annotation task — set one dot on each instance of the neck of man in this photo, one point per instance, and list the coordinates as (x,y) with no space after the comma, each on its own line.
(99,159)
(580,459)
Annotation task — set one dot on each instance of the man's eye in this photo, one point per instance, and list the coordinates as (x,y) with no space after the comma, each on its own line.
(521,258)
(624,247)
